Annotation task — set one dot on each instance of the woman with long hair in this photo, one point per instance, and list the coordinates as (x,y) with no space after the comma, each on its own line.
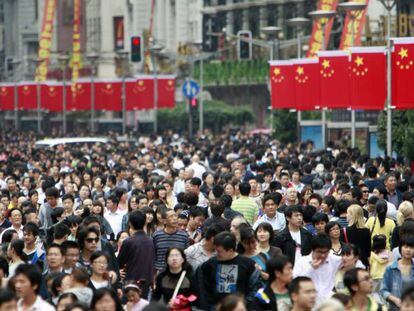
(405,213)
(105,299)
(264,234)
(16,255)
(132,206)
(120,238)
(99,266)
(333,230)
(98,211)
(380,224)
(357,233)
(167,280)
(350,256)
(150,221)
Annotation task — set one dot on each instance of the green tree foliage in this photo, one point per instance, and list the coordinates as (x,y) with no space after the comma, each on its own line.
(285,126)
(402,132)
(217,115)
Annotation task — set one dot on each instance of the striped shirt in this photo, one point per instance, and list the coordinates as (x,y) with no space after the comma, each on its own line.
(247,207)
(163,241)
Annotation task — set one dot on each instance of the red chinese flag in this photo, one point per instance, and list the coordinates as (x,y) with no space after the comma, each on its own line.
(403,73)
(27,93)
(79,96)
(166,92)
(108,95)
(368,71)
(281,85)
(306,80)
(334,79)
(6,96)
(52,96)
(140,94)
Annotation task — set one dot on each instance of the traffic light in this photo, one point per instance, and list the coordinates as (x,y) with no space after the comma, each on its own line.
(244,44)
(136,49)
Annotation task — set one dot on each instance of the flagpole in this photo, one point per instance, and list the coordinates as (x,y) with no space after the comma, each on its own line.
(63,59)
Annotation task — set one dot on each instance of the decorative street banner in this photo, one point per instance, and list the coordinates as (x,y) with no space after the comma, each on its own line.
(281,84)
(307,78)
(45,42)
(140,93)
(76,52)
(315,41)
(334,83)
(403,73)
(27,96)
(52,96)
(6,96)
(368,73)
(358,24)
(166,90)
(108,95)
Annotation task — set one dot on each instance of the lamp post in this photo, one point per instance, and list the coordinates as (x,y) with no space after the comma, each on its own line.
(299,23)
(323,17)
(353,9)
(272,33)
(389,5)
(123,55)
(38,62)
(63,61)
(93,58)
(154,49)
(16,95)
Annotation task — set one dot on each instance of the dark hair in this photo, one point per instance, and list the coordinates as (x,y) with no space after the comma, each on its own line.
(6,295)
(293,209)
(7,236)
(185,266)
(318,217)
(321,240)
(56,283)
(244,188)
(294,286)
(18,246)
(67,295)
(226,200)
(341,206)
(408,294)
(4,265)
(52,192)
(216,209)
(276,264)
(225,239)
(381,209)
(83,233)
(351,278)
(372,171)
(32,272)
(308,212)
(100,293)
(196,211)
(31,227)
(276,197)
(229,302)
(137,219)
(379,243)
(114,199)
(342,298)
(350,249)
(60,230)
(80,275)
(266,227)
(406,240)
(68,196)
(77,305)
(95,255)
(246,234)
(67,245)
(212,231)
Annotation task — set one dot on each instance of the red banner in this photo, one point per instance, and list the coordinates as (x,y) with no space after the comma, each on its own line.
(6,96)
(358,22)
(79,97)
(166,92)
(306,82)
(76,53)
(334,75)
(27,93)
(140,94)
(403,73)
(368,73)
(108,96)
(45,42)
(315,41)
(52,96)
(281,85)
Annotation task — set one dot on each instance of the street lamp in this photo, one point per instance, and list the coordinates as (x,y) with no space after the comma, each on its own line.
(154,49)
(38,62)
(353,9)
(63,61)
(389,5)
(272,33)
(299,23)
(16,94)
(93,58)
(323,17)
(123,55)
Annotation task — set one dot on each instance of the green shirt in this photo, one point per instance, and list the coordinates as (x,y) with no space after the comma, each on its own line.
(247,207)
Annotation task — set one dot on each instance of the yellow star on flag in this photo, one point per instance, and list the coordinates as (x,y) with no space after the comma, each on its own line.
(300,71)
(403,53)
(276,71)
(359,61)
(326,64)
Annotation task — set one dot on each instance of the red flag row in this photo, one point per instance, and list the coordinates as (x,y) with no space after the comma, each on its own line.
(139,95)
(340,79)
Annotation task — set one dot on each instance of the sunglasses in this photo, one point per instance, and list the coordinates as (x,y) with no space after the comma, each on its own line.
(90,240)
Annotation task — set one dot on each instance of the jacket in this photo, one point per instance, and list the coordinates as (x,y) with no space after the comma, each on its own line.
(265,300)
(288,246)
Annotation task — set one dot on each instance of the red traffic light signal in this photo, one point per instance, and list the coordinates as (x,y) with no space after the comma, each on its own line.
(136,50)
(136,41)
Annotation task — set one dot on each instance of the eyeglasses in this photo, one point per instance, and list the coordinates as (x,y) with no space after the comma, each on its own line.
(90,240)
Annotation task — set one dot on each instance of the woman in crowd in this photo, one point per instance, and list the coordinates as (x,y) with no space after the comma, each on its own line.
(380,224)
(132,206)
(405,212)
(16,255)
(264,234)
(105,299)
(151,220)
(350,258)
(100,275)
(333,230)
(133,294)
(121,237)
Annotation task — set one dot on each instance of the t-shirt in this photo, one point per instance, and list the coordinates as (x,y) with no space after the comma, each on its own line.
(375,228)
(296,237)
(163,241)
(283,302)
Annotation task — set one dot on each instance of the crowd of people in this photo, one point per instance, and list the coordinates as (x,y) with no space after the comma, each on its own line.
(230,222)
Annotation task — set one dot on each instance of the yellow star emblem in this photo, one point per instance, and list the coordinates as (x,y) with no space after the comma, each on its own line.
(300,71)
(326,64)
(403,53)
(359,61)
(276,71)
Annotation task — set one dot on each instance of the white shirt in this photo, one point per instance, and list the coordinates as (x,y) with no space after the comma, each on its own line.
(278,222)
(199,170)
(296,237)
(115,220)
(39,305)
(323,277)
